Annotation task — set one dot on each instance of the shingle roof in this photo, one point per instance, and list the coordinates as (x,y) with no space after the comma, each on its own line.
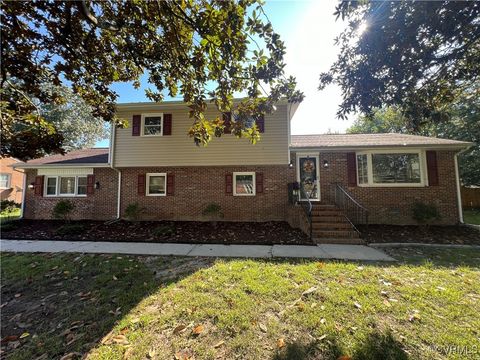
(76,157)
(370,140)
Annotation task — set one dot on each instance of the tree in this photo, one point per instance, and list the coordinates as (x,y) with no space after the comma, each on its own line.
(74,120)
(198,49)
(461,124)
(416,55)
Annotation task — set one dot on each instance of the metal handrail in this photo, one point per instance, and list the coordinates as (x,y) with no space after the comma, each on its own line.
(307,206)
(355,212)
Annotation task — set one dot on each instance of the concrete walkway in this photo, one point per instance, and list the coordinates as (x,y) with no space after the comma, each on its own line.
(341,252)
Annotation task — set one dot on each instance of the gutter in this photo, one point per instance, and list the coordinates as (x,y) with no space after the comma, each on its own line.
(111,159)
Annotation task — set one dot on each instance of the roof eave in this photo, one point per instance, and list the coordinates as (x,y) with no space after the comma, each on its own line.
(56,165)
(465,145)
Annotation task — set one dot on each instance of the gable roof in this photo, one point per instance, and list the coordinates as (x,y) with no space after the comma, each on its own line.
(86,157)
(371,141)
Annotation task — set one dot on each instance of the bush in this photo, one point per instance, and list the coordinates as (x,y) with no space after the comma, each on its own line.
(8,205)
(133,211)
(213,212)
(63,209)
(164,230)
(425,213)
(69,229)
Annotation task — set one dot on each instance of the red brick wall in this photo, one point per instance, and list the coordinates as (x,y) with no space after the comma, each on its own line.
(392,205)
(102,205)
(196,187)
(14,192)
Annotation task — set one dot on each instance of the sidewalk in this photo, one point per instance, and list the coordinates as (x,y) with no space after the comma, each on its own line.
(325,251)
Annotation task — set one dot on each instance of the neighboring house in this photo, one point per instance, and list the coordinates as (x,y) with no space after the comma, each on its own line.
(155,164)
(11,181)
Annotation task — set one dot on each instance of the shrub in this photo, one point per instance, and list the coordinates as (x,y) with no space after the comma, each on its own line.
(8,205)
(69,229)
(9,226)
(133,211)
(213,212)
(63,210)
(164,230)
(425,213)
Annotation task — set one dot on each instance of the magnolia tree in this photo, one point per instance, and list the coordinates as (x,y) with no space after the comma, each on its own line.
(202,50)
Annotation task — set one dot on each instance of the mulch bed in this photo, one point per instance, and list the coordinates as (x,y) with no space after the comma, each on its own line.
(461,235)
(163,232)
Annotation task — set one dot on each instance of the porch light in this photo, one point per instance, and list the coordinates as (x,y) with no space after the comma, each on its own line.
(326,164)
(31,185)
(290,165)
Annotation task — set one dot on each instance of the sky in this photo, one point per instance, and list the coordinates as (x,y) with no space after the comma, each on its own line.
(308,29)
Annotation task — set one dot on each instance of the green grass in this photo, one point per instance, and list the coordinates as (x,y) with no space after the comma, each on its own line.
(4,215)
(420,307)
(472,216)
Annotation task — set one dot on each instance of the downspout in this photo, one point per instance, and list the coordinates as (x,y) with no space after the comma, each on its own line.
(457,180)
(24,191)
(111,159)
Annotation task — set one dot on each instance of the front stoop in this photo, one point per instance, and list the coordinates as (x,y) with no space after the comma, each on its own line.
(330,226)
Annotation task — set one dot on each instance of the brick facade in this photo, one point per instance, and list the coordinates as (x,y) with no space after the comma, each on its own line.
(102,205)
(196,187)
(392,205)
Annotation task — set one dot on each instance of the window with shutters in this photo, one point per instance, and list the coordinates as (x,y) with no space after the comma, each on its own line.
(4,181)
(65,186)
(391,168)
(152,125)
(244,183)
(156,184)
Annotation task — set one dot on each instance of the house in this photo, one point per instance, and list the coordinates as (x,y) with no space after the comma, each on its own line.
(343,180)
(11,181)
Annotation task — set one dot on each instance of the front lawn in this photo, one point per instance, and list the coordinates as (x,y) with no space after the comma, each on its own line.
(130,307)
(472,216)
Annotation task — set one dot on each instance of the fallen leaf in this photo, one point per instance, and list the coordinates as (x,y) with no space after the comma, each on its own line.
(107,338)
(262,327)
(120,339)
(9,338)
(128,353)
(179,329)
(151,354)
(357,305)
(280,343)
(124,330)
(309,291)
(220,343)
(344,357)
(18,295)
(323,321)
(322,337)
(197,330)
(114,277)
(24,335)
(387,303)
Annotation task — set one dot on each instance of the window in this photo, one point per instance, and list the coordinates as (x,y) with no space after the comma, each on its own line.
(152,124)
(156,184)
(82,185)
(390,168)
(4,181)
(362,169)
(65,186)
(244,183)
(51,187)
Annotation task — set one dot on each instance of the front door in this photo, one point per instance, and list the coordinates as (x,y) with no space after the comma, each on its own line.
(308,176)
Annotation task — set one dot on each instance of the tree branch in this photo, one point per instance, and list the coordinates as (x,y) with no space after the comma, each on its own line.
(84,9)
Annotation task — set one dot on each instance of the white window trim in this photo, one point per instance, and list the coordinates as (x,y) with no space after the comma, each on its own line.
(9,181)
(57,186)
(147,187)
(142,124)
(235,183)
(423,166)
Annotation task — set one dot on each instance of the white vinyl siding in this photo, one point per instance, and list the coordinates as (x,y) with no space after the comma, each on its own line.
(179,149)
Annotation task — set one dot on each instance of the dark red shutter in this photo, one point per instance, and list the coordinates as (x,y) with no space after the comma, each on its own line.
(167,124)
(229,183)
(227,120)
(170,184)
(259,183)
(39,185)
(261,124)
(90,184)
(136,123)
(432,168)
(352,169)
(141,184)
